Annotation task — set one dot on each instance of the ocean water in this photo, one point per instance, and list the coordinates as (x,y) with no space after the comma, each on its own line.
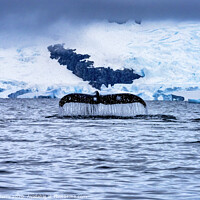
(154,156)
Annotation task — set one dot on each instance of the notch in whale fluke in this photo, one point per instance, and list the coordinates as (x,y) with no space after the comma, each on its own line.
(122,98)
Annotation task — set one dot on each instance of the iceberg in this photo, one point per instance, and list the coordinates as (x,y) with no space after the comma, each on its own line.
(194,101)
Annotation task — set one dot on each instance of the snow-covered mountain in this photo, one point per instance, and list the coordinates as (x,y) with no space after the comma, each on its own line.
(166,53)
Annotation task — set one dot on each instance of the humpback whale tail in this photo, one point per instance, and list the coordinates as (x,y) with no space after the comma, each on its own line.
(122,105)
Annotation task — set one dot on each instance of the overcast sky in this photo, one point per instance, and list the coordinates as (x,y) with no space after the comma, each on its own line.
(38,13)
(36,16)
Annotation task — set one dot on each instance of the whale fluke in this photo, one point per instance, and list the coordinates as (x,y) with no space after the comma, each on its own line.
(121,105)
(122,98)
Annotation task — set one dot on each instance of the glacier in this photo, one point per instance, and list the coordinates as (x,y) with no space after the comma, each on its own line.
(165,53)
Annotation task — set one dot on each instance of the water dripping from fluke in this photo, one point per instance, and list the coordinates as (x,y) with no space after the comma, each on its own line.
(123,105)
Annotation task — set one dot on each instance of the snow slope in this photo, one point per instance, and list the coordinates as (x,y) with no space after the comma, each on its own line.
(167,53)
(31,68)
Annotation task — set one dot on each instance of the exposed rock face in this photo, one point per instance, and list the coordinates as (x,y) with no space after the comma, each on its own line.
(83,68)
(177,98)
(138,21)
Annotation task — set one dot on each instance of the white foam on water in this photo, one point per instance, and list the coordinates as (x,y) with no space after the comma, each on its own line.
(84,109)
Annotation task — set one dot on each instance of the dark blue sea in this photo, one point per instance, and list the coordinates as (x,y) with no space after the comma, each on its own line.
(154,156)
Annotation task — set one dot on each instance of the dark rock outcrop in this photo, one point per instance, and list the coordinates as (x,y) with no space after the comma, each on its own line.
(177,98)
(138,21)
(83,68)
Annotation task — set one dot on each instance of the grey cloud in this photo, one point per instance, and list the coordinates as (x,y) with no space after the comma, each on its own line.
(41,12)
(35,16)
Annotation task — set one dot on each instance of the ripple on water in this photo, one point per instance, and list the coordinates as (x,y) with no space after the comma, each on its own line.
(153,156)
